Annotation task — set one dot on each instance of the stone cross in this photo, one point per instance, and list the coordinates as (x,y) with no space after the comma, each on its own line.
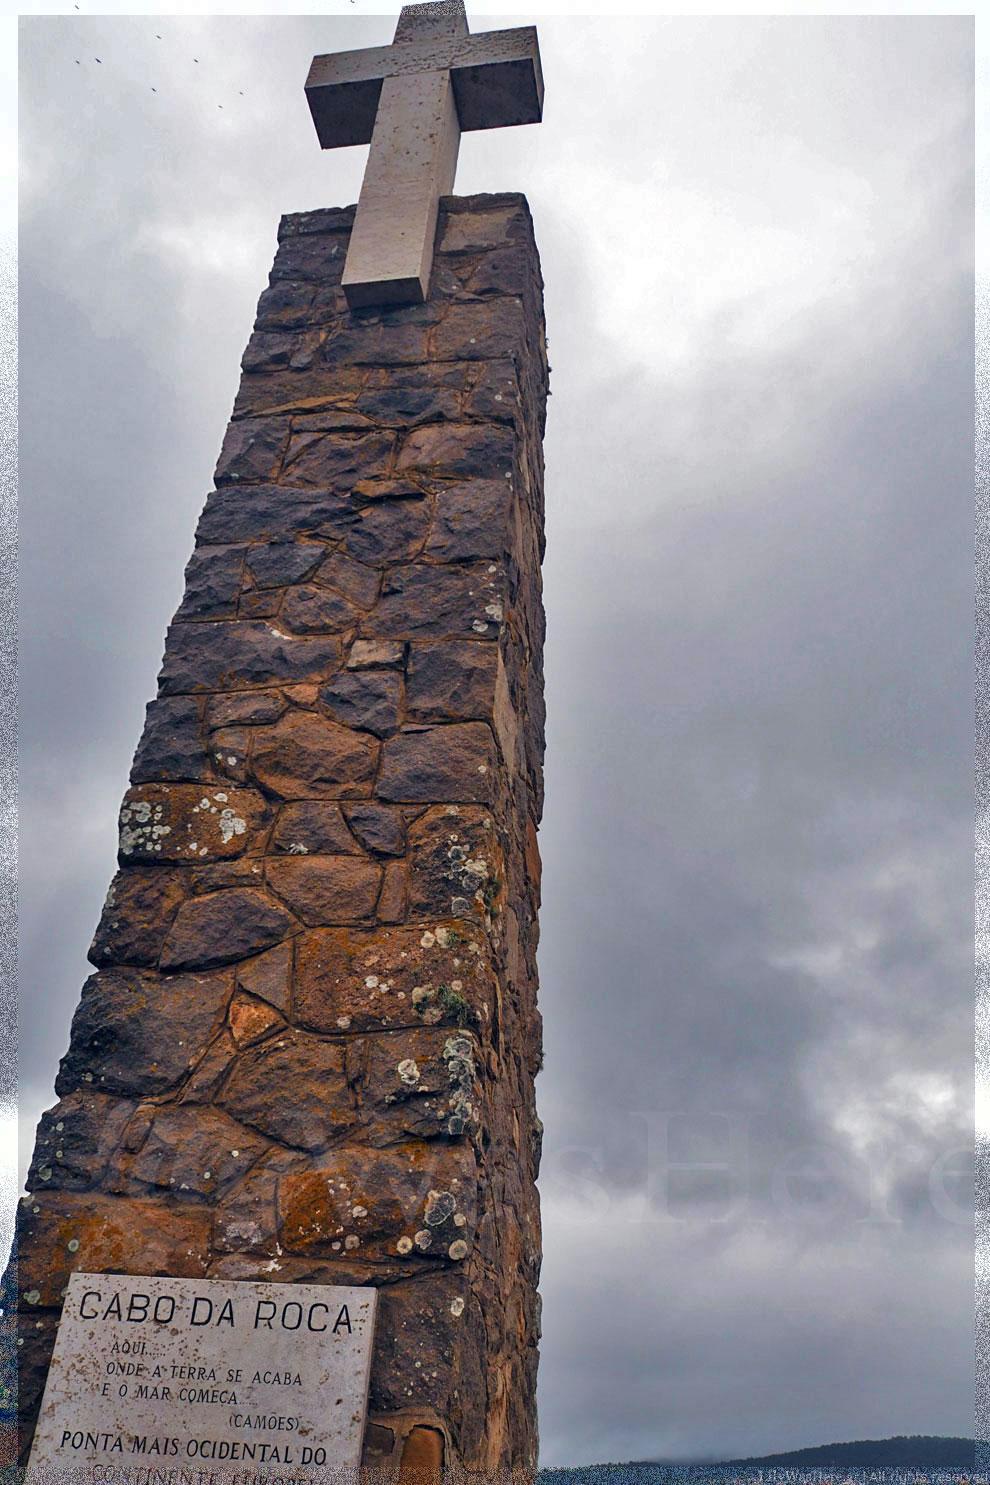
(410,101)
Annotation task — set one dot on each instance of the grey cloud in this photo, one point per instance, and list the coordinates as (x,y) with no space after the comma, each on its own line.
(756,841)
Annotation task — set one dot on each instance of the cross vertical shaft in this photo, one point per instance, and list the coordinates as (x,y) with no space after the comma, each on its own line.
(411,165)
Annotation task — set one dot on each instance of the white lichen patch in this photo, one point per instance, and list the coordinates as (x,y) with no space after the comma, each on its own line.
(408,1072)
(428,940)
(457,1250)
(404,1245)
(457,1307)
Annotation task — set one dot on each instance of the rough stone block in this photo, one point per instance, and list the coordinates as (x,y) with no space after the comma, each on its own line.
(326,889)
(181,822)
(367,699)
(305,757)
(312,828)
(447,763)
(171,746)
(138,1034)
(139,907)
(276,564)
(222,927)
(240,654)
(321,1107)
(453,681)
(435,601)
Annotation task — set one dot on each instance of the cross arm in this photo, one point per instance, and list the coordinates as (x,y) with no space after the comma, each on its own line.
(496,77)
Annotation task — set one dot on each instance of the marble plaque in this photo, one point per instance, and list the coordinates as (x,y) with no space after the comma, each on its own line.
(195,1380)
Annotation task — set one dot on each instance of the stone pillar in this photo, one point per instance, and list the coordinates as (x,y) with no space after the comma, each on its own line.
(309,1048)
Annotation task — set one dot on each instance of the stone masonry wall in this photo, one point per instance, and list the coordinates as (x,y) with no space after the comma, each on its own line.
(309,1048)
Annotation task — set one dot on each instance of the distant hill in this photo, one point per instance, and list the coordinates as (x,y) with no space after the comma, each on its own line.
(917,1451)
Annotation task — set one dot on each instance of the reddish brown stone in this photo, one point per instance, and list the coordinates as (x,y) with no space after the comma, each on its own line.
(269,976)
(394,894)
(252,1020)
(304,756)
(310,828)
(473,450)
(312,610)
(136,1033)
(189,1150)
(456,862)
(360,1208)
(107,1235)
(452,681)
(447,763)
(320,1107)
(224,926)
(138,911)
(326,889)
(351,979)
(182,822)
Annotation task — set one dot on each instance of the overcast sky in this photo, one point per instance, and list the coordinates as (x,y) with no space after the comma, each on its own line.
(757,934)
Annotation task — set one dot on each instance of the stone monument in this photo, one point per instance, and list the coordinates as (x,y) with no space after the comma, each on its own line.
(307,1055)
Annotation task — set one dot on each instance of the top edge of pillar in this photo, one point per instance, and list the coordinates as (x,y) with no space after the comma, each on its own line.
(326,219)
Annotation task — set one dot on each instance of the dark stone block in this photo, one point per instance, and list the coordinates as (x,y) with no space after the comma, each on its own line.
(473,520)
(313,828)
(312,610)
(285,306)
(320,1108)
(138,1034)
(224,926)
(427,600)
(279,563)
(358,583)
(75,1140)
(140,905)
(452,682)
(244,707)
(470,450)
(308,757)
(171,745)
(378,828)
(389,532)
(333,461)
(270,512)
(404,407)
(439,764)
(241,653)
(252,450)
(213,582)
(366,699)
